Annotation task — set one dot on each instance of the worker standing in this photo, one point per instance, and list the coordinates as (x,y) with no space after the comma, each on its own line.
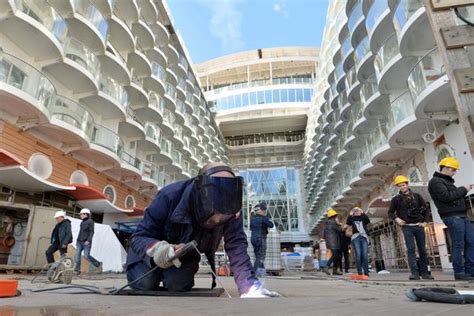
(409,211)
(452,208)
(84,242)
(259,225)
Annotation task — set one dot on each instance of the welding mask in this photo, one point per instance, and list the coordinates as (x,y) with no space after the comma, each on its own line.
(218,199)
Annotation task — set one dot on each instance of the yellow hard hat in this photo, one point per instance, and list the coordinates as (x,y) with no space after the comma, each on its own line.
(331,213)
(450,162)
(400,179)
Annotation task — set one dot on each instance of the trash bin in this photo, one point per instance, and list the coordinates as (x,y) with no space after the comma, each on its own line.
(379,265)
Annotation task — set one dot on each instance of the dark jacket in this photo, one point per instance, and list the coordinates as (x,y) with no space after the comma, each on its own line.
(351,220)
(86,231)
(402,203)
(259,225)
(448,198)
(332,234)
(170,217)
(62,234)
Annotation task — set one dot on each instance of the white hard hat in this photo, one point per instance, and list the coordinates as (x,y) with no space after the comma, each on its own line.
(59,214)
(85,211)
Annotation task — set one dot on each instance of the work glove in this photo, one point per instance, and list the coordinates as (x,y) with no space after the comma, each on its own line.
(162,252)
(258,291)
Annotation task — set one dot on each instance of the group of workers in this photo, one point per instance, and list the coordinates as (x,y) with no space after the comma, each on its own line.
(207,208)
(61,237)
(410,211)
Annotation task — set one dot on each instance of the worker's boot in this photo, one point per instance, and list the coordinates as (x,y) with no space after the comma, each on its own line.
(336,272)
(326,270)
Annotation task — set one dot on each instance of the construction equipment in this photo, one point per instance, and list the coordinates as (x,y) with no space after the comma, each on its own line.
(61,271)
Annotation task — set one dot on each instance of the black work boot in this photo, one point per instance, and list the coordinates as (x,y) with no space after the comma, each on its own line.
(414,276)
(426,276)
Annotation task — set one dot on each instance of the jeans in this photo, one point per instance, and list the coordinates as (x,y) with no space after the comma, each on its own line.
(416,234)
(259,244)
(345,254)
(87,255)
(174,279)
(360,245)
(461,232)
(335,259)
(52,249)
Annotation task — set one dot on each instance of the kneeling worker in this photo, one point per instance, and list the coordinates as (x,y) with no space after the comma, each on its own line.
(205,209)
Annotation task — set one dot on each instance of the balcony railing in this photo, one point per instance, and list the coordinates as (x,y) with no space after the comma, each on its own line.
(427,70)
(261,83)
(264,139)
(157,102)
(93,15)
(153,132)
(158,71)
(404,11)
(41,11)
(368,89)
(80,54)
(386,53)
(354,16)
(170,91)
(361,50)
(351,78)
(129,159)
(21,75)
(375,13)
(104,137)
(183,62)
(113,89)
(74,114)
(346,46)
(400,109)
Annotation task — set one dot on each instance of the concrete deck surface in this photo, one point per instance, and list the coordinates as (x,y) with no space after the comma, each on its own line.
(304,294)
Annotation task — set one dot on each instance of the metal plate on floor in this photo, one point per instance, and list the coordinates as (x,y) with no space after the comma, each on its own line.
(196,292)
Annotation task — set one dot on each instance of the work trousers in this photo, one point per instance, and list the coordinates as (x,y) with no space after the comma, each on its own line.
(416,234)
(259,244)
(461,231)
(87,255)
(52,249)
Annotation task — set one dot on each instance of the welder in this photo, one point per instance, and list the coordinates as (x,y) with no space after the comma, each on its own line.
(205,209)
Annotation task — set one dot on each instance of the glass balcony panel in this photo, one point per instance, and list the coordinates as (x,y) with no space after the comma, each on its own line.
(375,12)
(386,53)
(93,15)
(182,83)
(361,50)
(170,90)
(183,62)
(346,46)
(158,71)
(73,113)
(111,88)
(106,138)
(400,109)
(428,69)
(354,16)
(368,89)
(339,71)
(41,11)
(179,106)
(80,54)
(129,159)
(157,102)
(351,77)
(404,11)
(19,74)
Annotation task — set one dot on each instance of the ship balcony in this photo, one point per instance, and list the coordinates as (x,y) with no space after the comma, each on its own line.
(156,82)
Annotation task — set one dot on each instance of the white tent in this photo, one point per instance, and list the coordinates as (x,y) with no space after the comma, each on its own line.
(105,246)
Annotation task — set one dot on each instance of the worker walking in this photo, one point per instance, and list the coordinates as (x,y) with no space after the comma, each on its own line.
(84,242)
(332,235)
(61,236)
(259,225)
(408,209)
(205,209)
(452,208)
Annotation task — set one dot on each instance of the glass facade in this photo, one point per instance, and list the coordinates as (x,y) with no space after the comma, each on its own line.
(279,189)
(263,97)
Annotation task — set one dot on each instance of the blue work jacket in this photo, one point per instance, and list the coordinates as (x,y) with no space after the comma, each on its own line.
(170,218)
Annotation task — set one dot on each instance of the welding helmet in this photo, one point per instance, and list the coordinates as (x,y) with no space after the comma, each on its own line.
(218,199)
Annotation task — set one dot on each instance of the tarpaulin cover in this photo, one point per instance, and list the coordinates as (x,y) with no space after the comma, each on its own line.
(105,246)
